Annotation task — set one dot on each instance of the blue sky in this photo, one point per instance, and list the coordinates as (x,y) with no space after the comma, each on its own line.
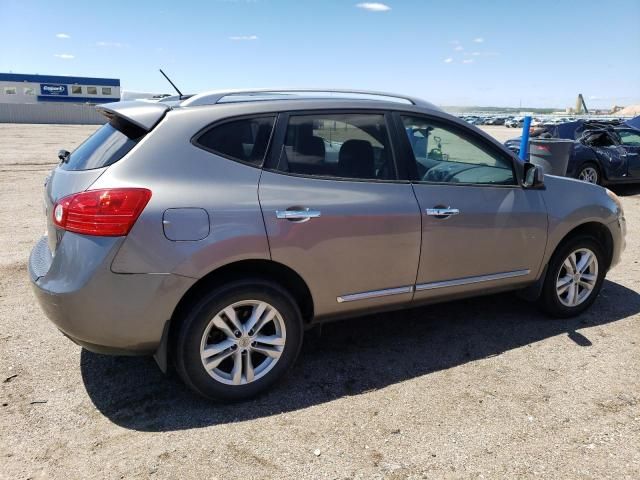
(452,52)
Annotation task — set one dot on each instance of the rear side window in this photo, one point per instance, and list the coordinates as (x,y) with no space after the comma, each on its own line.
(105,147)
(244,140)
(350,146)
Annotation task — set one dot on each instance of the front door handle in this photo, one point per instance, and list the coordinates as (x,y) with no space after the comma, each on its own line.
(441,212)
(297,214)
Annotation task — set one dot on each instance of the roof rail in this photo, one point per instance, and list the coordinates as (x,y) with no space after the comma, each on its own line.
(226,96)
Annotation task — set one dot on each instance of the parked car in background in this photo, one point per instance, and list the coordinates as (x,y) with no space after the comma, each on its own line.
(607,156)
(211,232)
(603,153)
(496,121)
(514,123)
(472,119)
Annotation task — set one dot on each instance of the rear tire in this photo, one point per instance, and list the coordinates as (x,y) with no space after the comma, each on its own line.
(590,173)
(238,340)
(574,277)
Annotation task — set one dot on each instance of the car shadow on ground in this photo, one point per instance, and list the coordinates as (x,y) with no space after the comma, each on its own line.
(349,358)
(625,190)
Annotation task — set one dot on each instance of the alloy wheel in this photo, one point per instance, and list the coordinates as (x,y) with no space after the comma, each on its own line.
(243,342)
(577,277)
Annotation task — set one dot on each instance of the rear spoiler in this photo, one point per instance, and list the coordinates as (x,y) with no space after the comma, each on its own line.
(145,115)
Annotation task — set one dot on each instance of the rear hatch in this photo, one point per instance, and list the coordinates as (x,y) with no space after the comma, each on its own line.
(128,123)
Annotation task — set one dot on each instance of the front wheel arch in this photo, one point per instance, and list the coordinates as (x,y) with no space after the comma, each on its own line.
(596,230)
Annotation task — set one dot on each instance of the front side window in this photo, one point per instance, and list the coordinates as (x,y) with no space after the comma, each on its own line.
(76,89)
(245,140)
(353,146)
(444,155)
(106,90)
(92,90)
(629,137)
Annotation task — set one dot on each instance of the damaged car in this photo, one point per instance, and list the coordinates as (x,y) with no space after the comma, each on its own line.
(604,152)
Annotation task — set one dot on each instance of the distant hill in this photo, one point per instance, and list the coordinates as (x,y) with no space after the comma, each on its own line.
(629,111)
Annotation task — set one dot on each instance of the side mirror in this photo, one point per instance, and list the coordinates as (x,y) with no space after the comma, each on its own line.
(533,176)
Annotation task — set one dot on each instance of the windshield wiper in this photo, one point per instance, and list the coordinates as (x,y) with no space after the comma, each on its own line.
(63,155)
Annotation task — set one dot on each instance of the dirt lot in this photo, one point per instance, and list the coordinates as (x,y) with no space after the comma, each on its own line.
(484,388)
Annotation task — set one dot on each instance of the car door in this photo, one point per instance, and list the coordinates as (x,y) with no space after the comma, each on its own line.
(611,156)
(336,213)
(480,229)
(630,140)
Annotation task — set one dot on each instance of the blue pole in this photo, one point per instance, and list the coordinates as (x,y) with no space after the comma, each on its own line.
(524,140)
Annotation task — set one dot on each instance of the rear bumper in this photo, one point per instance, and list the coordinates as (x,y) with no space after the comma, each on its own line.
(103,311)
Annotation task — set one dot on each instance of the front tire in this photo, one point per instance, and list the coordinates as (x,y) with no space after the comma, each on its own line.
(238,340)
(574,277)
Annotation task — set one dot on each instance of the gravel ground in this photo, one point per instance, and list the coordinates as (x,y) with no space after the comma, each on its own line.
(482,388)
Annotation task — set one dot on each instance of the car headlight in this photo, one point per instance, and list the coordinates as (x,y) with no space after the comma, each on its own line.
(616,199)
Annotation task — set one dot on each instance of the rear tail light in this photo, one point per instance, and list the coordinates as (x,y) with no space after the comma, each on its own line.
(108,212)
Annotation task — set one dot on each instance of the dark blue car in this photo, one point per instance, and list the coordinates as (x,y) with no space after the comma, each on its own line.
(603,152)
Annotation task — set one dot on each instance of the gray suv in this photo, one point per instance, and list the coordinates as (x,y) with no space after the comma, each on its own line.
(213,231)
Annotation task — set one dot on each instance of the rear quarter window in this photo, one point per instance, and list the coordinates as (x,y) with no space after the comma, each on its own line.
(105,147)
(245,140)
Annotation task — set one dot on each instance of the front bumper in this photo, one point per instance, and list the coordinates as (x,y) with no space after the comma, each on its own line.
(103,311)
(618,231)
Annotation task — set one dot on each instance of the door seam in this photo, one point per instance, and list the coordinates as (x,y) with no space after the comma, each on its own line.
(264,223)
(415,281)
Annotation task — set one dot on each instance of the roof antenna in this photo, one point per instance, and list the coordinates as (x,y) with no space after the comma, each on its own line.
(172,84)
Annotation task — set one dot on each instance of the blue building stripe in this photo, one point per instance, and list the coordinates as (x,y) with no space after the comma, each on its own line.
(60,98)
(20,77)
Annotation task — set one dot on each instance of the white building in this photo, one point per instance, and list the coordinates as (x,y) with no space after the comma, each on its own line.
(24,88)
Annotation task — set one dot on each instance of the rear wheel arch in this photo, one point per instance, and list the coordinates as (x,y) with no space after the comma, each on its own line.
(266,270)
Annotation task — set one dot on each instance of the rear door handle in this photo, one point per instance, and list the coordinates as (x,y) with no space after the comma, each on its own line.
(439,212)
(298,214)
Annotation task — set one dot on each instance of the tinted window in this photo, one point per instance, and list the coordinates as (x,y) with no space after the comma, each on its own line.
(338,145)
(629,137)
(76,90)
(106,146)
(245,140)
(443,155)
(92,90)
